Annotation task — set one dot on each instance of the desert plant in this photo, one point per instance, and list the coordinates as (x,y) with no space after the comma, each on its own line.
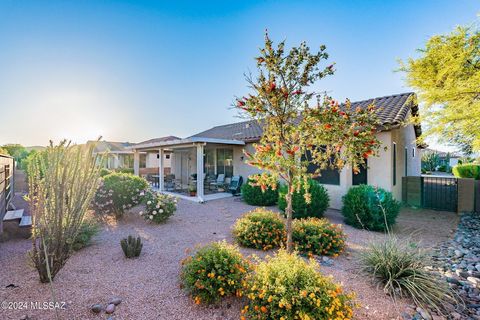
(131,246)
(315,207)
(213,272)
(88,228)
(370,208)
(318,236)
(470,170)
(260,229)
(119,192)
(253,194)
(287,287)
(400,268)
(158,207)
(62,182)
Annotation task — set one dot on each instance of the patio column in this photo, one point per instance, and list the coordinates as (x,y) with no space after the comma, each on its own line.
(200,173)
(160,170)
(136,162)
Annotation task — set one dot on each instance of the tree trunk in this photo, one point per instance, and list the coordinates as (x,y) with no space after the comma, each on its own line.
(289,212)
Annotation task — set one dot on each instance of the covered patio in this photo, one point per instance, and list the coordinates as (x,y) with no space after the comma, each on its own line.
(200,168)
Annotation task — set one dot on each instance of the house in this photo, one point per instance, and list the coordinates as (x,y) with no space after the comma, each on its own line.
(220,150)
(118,155)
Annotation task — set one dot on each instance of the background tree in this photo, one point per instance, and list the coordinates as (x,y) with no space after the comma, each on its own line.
(294,133)
(17,151)
(447,78)
(430,160)
(4,151)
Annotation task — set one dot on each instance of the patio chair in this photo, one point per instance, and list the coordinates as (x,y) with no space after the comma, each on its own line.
(235,184)
(220,182)
(169,182)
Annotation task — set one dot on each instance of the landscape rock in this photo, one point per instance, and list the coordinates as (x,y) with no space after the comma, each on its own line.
(96,308)
(116,301)
(110,308)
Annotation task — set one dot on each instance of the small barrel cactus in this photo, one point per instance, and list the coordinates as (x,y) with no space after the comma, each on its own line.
(131,246)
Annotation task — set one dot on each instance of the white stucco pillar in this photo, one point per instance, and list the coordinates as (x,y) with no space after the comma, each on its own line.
(200,174)
(136,162)
(160,169)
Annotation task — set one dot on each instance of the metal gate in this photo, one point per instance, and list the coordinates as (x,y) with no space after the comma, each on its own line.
(440,193)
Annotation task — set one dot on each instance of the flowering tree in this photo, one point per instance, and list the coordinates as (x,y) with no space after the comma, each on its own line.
(295,133)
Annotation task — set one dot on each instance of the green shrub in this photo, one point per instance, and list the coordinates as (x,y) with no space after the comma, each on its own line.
(88,229)
(287,287)
(119,192)
(469,170)
(318,236)
(370,208)
(254,195)
(301,209)
(215,271)
(260,229)
(400,267)
(131,246)
(124,170)
(158,207)
(104,172)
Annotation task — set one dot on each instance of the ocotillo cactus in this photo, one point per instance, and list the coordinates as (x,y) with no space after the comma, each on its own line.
(131,246)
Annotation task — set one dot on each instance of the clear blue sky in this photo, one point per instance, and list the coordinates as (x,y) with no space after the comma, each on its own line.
(135,70)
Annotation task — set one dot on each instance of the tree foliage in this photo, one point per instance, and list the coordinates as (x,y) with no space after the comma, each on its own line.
(332,135)
(447,78)
(430,160)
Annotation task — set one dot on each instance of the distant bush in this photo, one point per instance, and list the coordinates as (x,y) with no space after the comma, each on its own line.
(400,267)
(124,170)
(301,209)
(254,195)
(318,236)
(470,170)
(370,208)
(104,172)
(119,192)
(215,271)
(158,207)
(88,229)
(260,229)
(287,287)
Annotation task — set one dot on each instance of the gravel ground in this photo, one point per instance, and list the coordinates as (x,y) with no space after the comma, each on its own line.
(149,285)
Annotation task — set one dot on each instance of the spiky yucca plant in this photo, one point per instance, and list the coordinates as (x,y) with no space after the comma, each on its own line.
(131,246)
(62,182)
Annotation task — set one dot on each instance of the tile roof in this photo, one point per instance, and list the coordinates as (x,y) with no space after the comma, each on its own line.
(102,146)
(392,111)
(161,139)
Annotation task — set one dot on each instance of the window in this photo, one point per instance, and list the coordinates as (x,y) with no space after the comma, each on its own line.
(394,158)
(405,160)
(413,152)
(225,162)
(209,162)
(167,156)
(361,177)
(143,160)
(328,176)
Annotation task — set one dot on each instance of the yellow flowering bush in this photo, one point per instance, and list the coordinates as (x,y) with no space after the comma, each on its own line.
(260,229)
(318,236)
(287,287)
(215,271)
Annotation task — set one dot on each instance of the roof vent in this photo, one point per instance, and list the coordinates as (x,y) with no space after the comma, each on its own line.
(247,125)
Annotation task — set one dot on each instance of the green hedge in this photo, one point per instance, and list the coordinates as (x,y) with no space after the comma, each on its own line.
(362,208)
(301,209)
(254,196)
(470,170)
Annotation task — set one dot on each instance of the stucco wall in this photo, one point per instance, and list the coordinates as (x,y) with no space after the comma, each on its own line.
(153,162)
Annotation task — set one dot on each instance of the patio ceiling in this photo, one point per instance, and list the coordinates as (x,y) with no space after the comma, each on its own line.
(183,143)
